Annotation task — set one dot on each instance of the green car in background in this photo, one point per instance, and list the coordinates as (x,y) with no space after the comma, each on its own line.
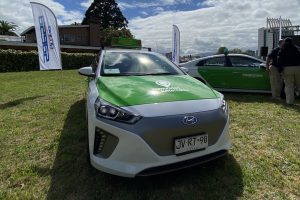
(232,72)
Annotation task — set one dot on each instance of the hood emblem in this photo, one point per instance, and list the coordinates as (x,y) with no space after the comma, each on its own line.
(189,120)
(163,83)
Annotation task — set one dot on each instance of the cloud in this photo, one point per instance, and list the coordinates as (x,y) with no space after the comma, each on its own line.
(85,4)
(158,10)
(174,2)
(231,23)
(144,13)
(19,12)
(124,5)
(150,4)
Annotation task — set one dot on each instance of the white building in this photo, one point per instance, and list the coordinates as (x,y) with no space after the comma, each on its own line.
(269,36)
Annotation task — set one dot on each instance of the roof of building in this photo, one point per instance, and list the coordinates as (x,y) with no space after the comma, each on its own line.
(61,26)
(276,23)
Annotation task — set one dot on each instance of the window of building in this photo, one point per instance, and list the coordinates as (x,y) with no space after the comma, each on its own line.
(71,38)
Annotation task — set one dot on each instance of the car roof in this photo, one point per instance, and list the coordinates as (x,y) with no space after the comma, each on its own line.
(127,50)
(222,55)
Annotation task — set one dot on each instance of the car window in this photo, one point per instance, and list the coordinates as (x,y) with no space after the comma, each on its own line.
(217,61)
(239,61)
(135,63)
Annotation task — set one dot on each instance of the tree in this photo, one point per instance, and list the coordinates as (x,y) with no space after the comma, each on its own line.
(236,50)
(7,28)
(250,52)
(106,13)
(108,33)
(222,50)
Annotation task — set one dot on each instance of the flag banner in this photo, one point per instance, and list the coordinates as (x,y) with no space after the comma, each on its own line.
(47,37)
(176,45)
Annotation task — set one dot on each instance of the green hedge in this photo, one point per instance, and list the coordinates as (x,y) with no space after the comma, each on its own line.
(16,61)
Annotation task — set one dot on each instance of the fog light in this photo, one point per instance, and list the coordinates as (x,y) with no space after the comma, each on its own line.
(104,143)
(100,138)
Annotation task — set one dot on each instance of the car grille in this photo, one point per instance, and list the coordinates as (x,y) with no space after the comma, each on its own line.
(161,132)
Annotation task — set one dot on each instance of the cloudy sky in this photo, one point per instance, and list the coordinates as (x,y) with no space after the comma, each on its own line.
(205,25)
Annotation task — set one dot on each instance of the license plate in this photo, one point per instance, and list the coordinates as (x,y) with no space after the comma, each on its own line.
(192,143)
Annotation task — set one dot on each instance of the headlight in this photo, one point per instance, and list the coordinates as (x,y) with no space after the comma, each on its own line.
(224,105)
(106,110)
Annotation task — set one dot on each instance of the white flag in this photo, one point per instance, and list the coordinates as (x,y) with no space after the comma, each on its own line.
(47,37)
(176,45)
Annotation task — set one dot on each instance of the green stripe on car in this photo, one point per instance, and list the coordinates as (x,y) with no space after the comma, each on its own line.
(138,90)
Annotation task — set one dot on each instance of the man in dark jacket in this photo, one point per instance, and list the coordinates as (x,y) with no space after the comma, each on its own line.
(289,64)
(273,68)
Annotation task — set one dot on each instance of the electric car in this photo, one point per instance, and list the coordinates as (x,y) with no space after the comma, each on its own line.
(232,72)
(147,116)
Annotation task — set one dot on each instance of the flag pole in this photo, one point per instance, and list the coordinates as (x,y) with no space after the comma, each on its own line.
(59,48)
(280,29)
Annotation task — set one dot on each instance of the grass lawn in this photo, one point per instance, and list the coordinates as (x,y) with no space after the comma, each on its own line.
(43,148)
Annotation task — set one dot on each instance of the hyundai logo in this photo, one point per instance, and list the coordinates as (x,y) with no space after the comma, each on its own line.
(189,120)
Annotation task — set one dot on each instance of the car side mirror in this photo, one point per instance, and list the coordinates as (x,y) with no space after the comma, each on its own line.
(87,71)
(186,70)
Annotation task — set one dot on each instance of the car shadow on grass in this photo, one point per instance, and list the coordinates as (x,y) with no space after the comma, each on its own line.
(73,178)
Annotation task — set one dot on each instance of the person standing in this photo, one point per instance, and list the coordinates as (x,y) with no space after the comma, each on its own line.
(289,64)
(273,69)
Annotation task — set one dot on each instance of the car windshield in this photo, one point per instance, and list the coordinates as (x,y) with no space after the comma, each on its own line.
(137,64)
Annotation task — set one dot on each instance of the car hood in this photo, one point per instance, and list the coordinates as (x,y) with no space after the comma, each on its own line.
(138,90)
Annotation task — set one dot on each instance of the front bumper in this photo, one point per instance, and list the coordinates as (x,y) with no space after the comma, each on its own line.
(133,156)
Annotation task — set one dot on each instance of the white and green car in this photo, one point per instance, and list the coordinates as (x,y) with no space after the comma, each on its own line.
(147,116)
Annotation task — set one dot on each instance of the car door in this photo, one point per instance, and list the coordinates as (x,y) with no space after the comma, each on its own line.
(215,71)
(248,74)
